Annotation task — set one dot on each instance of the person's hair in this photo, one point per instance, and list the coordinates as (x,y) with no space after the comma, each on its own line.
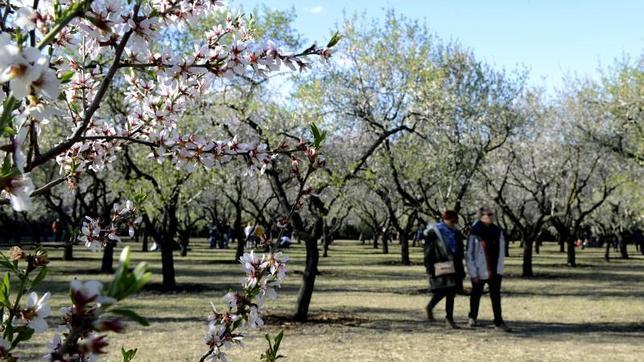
(450,215)
(485,210)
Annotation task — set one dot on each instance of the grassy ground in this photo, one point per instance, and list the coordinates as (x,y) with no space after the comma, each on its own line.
(367,307)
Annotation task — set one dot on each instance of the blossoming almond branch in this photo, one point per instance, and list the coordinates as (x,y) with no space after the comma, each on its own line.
(58,60)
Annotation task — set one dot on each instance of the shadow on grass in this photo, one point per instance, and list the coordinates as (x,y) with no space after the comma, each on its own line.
(542,329)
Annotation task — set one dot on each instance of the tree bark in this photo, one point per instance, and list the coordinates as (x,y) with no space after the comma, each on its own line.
(308,281)
(183,244)
(68,252)
(325,241)
(167,265)
(239,233)
(527,259)
(144,243)
(385,243)
(571,252)
(404,249)
(607,252)
(623,251)
(167,245)
(108,258)
(375,240)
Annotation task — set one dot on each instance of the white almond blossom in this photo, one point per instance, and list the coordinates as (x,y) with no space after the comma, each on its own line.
(254,320)
(34,314)
(18,190)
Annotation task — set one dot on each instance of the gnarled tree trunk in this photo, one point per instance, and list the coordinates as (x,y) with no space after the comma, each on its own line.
(308,281)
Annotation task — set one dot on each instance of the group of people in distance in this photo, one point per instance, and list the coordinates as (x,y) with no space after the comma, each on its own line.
(484,257)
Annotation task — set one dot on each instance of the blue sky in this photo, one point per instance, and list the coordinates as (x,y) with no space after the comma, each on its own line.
(551,38)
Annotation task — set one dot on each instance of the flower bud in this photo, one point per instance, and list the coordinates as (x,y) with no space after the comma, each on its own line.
(16,253)
(41,258)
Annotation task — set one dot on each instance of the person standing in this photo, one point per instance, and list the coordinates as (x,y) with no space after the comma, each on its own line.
(444,264)
(485,258)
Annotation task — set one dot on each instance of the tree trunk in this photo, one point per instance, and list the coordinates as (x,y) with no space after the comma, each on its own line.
(239,233)
(562,243)
(571,252)
(183,244)
(537,246)
(144,244)
(375,240)
(607,252)
(623,251)
(325,242)
(404,248)
(308,281)
(108,258)
(325,247)
(167,265)
(385,244)
(527,259)
(167,245)
(68,253)
(241,243)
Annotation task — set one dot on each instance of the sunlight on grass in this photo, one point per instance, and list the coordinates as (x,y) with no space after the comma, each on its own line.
(368,307)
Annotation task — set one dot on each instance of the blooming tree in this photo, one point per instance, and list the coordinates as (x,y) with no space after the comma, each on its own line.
(59,59)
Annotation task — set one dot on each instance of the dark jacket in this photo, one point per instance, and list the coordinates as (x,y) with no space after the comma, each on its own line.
(433,255)
(485,255)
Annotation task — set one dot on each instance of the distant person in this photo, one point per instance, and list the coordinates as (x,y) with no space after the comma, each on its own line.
(418,234)
(56,230)
(285,241)
(259,234)
(615,242)
(485,257)
(213,236)
(444,264)
(638,238)
(248,231)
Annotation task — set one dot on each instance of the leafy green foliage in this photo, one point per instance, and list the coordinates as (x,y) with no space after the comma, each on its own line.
(318,136)
(272,352)
(128,355)
(335,38)
(128,282)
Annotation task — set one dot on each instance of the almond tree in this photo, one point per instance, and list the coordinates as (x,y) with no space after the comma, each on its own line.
(77,49)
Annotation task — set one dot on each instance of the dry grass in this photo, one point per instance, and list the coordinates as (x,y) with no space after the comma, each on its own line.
(367,307)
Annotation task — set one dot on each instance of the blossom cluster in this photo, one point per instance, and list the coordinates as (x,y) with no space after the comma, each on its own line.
(190,151)
(95,236)
(20,322)
(244,308)
(59,58)
(81,334)
(84,319)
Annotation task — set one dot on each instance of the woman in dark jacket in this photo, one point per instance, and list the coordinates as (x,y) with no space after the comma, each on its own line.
(444,264)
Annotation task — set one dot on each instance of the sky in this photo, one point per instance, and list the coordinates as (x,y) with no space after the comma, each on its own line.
(552,39)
